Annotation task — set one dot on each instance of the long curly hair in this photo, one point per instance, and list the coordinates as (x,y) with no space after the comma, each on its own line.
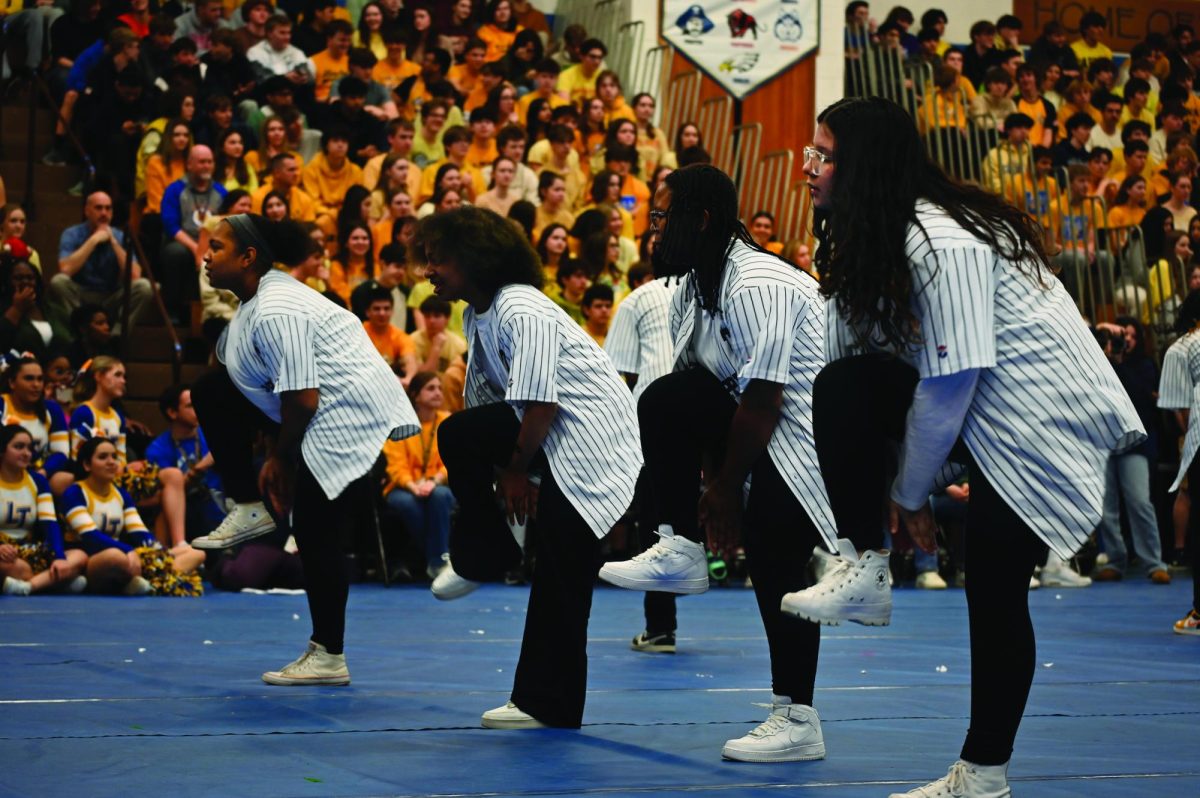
(492,251)
(883,169)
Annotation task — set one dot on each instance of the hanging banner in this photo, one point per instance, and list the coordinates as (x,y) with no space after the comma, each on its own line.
(742,44)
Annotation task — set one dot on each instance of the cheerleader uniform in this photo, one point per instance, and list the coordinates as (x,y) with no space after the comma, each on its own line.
(51,438)
(28,521)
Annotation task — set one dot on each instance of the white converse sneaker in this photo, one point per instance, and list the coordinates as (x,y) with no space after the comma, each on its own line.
(244,522)
(449,585)
(672,565)
(315,666)
(17,587)
(1058,573)
(965,780)
(510,717)
(138,586)
(930,580)
(853,589)
(791,733)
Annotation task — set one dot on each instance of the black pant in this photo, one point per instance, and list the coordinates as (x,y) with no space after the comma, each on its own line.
(684,419)
(551,678)
(230,421)
(659,607)
(859,409)
(1193,528)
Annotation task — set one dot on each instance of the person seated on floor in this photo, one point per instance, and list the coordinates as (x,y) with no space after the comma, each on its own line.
(197,496)
(415,487)
(24,404)
(123,555)
(32,554)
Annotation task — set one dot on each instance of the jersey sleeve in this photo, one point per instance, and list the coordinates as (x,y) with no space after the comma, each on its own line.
(621,343)
(533,340)
(122,438)
(59,449)
(285,343)
(1175,383)
(82,428)
(83,527)
(953,291)
(47,518)
(761,321)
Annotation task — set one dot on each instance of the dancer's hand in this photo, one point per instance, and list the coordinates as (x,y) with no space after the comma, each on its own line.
(520,496)
(8,553)
(719,514)
(920,525)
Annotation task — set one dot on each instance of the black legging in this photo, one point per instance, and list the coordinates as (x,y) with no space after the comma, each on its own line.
(551,677)
(684,417)
(230,421)
(859,409)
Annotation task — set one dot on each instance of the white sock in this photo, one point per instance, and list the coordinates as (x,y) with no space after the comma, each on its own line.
(17,587)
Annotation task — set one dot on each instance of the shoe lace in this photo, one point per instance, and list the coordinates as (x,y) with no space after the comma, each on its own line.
(775,723)
(954,783)
(837,574)
(652,554)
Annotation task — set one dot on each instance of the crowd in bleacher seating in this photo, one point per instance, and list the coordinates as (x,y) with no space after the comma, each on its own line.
(358,120)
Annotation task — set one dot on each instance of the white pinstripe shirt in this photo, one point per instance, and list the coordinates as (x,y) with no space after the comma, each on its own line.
(526,349)
(1179,389)
(639,340)
(768,326)
(290,338)
(1048,409)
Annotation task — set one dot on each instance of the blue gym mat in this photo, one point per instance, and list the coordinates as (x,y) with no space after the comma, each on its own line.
(116,697)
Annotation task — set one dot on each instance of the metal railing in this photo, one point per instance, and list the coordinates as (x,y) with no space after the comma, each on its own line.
(681,101)
(148,270)
(768,185)
(715,120)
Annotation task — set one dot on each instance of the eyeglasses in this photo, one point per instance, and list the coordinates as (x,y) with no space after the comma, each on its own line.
(812,154)
(657,218)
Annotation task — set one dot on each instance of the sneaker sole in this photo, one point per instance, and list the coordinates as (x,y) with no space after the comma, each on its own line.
(874,618)
(801,753)
(291,681)
(451,595)
(658,649)
(1188,632)
(1055,583)
(686,587)
(489,723)
(225,543)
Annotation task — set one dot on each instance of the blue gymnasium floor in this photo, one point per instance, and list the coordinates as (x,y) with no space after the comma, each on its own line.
(120,697)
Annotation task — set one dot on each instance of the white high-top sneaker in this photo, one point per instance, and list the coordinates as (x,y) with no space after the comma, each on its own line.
(965,780)
(1058,572)
(509,716)
(244,522)
(853,589)
(316,666)
(672,565)
(448,585)
(791,733)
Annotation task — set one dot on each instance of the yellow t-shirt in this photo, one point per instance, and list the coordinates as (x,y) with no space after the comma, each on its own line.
(393,343)
(498,41)
(577,86)
(329,71)
(328,186)
(391,76)
(1086,55)
(454,348)
(423,290)
(523,104)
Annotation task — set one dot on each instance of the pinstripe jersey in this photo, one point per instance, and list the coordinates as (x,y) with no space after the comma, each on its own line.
(290,338)
(525,349)
(1048,409)
(639,340)
(1179,389)
(768,326)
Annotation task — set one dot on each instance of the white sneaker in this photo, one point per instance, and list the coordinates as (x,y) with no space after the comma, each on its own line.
(672,565)
(1034,582)
(138,586)
(854,589)
(791,733)
(965,780)
(1058,573)
(448,585)
(822,560)
(315,666)
(17,587)
(510,717)
(77,585)
(930,580)
(244,522)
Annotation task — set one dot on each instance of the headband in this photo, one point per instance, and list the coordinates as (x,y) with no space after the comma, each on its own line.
(247,233)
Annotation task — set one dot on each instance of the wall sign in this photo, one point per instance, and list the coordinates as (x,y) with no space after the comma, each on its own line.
(742,44)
